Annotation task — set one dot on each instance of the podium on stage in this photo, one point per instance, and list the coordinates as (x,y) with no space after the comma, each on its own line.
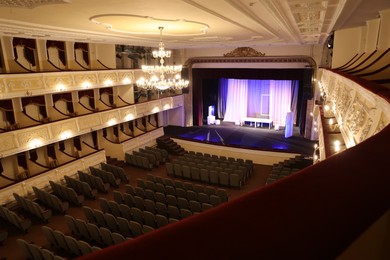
(288,130)
(211,116)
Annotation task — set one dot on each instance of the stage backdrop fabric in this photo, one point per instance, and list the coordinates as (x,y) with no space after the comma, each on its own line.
(257,98)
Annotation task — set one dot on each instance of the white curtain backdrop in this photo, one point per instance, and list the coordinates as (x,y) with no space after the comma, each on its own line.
(258,98)
(280,100)
(237,100)
(249,98)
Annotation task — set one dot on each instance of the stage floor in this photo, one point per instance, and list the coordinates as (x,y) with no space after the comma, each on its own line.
(260,138)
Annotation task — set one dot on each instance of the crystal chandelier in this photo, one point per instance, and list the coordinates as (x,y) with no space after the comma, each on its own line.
(161,76)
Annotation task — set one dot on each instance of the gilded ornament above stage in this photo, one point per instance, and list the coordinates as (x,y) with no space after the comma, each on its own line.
(244,52)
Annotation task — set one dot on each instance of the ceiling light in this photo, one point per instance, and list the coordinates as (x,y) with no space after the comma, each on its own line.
(161,75)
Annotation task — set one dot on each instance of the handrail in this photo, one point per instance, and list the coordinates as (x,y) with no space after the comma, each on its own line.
(59,111)
(362,62)
(127,103)
(346,64)
(30,117)
(372,63)
(108,105)
(90,146)
(67,154)
(39,164)
(80,64)
(51,63)
(101,63)
(91,110)
(17,62)
(113,142)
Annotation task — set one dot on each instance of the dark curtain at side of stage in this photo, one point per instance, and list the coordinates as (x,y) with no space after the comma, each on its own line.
(222,96)
(197,103)
(210,97)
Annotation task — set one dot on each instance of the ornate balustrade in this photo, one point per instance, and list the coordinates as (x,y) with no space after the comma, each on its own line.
(359,111)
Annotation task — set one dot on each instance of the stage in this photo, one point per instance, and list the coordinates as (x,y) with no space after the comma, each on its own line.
(259,138)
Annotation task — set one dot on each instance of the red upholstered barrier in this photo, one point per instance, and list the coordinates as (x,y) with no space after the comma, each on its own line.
(313,214)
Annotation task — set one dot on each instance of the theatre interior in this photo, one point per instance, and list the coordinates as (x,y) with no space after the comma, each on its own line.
(192,129)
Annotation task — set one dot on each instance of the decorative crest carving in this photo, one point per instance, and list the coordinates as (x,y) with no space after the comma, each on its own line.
(244,52)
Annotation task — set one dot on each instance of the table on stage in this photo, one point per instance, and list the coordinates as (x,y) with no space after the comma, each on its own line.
(258,120)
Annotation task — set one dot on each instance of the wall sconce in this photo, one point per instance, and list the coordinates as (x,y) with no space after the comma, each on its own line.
(66,135)
(61,87)
(86,84)
(111,122)
(129,117)
(126,80)
(36,142)
(108,82)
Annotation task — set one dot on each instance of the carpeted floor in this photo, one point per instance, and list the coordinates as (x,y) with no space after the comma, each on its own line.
(260,138)
(11,251)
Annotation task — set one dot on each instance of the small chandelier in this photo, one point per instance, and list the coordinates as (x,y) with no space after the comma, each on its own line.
(161,75)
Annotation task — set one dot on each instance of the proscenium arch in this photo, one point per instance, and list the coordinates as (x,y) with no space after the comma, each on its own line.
(269,63)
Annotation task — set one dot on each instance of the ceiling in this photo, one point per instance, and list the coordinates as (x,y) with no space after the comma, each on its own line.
(187,23)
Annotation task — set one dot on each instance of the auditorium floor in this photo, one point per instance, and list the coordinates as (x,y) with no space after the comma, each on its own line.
(11,251)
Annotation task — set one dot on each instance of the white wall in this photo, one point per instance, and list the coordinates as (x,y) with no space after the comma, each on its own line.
(384,33)
(346,45)
(372,35)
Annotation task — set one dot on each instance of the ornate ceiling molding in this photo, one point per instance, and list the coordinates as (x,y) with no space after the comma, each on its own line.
(147,25)
(30,4)
(309,61)
(244,52)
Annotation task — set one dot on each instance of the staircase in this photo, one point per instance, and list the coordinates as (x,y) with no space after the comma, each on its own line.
(165,142)
(115,161)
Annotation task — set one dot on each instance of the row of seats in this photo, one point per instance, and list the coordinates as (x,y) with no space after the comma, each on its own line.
(167,208)
(217,176)
(209,158)
(169,194)
(67,193)
(107,177)
(12,217)
(33,207)
(33,251)
(126,226)
(72,246)
(81,187)
(288,167)
(99,236)
(138,160)
(116,170)
(161,207)
(51,200)
(143,217)
(298,161)
(161,154)
(94,181)
(115,224)
(198,188)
